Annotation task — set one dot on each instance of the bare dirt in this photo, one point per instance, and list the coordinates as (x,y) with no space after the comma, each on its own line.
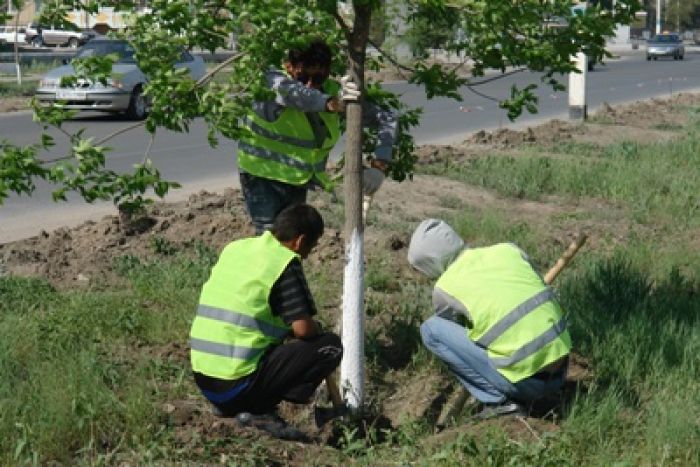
(85,256)
(13,104)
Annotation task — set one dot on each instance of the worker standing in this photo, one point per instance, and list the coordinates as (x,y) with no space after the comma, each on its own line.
(497,326)
(287,141)
(255,298)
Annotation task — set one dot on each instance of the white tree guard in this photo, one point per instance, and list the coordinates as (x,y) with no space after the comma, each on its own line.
(352,367)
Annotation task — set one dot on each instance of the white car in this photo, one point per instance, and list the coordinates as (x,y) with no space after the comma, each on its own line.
(123,92)
(10,34)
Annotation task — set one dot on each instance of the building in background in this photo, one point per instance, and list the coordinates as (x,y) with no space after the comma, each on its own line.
(102,22)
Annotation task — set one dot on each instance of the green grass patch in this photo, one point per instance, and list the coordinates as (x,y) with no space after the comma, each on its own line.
(12,89)
(653,181)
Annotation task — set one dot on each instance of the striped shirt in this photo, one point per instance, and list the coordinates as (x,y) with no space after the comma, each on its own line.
(290,297)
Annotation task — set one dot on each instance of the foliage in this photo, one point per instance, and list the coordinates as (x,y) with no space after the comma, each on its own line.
(497,35)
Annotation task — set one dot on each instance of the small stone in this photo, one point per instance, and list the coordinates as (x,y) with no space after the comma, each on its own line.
(82,278)
(168,408)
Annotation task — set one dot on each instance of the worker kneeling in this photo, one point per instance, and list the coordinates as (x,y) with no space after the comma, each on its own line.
(256,297)
(515,346)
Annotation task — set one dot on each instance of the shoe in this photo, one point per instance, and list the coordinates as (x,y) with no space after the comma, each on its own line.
(496,410)
(272,424)
(215,411)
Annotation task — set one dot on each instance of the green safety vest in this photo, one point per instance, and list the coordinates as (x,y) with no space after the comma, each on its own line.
(234,323)
(516,317)
(287,149)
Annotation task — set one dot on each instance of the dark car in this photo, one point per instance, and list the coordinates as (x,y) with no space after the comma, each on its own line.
(665,45)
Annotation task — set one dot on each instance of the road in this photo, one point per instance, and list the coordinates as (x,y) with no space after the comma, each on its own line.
(189,159)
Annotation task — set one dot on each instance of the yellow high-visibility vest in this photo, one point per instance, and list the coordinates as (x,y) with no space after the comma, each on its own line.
(516,317)
(234,323)
(287,150)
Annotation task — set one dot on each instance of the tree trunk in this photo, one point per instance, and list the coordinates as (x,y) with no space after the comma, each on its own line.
(353,327)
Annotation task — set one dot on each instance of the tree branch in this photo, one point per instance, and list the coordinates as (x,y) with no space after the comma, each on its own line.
(203,80)
(494,78)
(200,82)
(391,59)
(148,148)
(341,22)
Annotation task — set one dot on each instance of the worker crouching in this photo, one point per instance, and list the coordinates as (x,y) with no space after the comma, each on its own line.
(497,325)
(253,341)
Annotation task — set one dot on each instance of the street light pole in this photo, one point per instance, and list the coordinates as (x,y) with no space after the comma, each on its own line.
(658,17)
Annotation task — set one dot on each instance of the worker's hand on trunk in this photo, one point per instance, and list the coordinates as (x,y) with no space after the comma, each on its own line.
(349,90)
(372,180)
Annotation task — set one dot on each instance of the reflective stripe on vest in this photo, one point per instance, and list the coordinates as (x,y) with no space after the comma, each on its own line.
(282,158)
(516,317)
(234,324)
(287,149)
(240,319)
(529,305)
(225,350)
(533,346)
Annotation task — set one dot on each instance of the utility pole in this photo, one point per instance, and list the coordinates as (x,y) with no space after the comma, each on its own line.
(577,86)
(658,17)
(577,89)
(352,367)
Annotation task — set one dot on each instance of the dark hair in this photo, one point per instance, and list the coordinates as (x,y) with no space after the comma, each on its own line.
(318,53)
(298,219)
(295,56)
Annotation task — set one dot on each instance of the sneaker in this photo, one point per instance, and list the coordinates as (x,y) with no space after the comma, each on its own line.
(272,424)
(496,410)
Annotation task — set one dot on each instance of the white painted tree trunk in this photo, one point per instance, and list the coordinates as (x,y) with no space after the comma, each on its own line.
(352,371)
(352,368)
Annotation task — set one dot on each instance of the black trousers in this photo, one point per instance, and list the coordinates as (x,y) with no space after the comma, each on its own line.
(291,371)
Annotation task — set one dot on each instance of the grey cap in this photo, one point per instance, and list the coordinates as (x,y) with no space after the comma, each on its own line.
(434,245)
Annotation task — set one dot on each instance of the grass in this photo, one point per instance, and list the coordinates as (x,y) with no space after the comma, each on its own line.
(652,181)
(12,89)
(34,67)
(85,374)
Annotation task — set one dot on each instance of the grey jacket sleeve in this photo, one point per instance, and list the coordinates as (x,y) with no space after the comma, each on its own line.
(292,93)
(387,124)
(448,307)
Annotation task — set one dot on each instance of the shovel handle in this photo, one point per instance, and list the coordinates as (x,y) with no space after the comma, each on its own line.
(565,259)
(334,391)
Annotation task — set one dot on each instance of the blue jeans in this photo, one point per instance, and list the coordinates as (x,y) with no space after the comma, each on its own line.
(472,367)
(265,198)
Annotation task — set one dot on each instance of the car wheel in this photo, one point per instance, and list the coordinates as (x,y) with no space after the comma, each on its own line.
(648,57)
(73,43)
(37,42)
(656,58)
(680,57)
(138,107)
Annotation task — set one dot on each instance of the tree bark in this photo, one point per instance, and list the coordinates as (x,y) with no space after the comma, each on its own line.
(352,366)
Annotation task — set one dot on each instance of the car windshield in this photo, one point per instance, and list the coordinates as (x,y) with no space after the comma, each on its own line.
(101,48)
(665,38)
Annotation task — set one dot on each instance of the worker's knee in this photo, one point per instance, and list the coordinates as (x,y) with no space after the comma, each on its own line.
(428,332)
(330,347)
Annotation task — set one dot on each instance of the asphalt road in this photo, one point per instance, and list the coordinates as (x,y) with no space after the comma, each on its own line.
(189,159)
